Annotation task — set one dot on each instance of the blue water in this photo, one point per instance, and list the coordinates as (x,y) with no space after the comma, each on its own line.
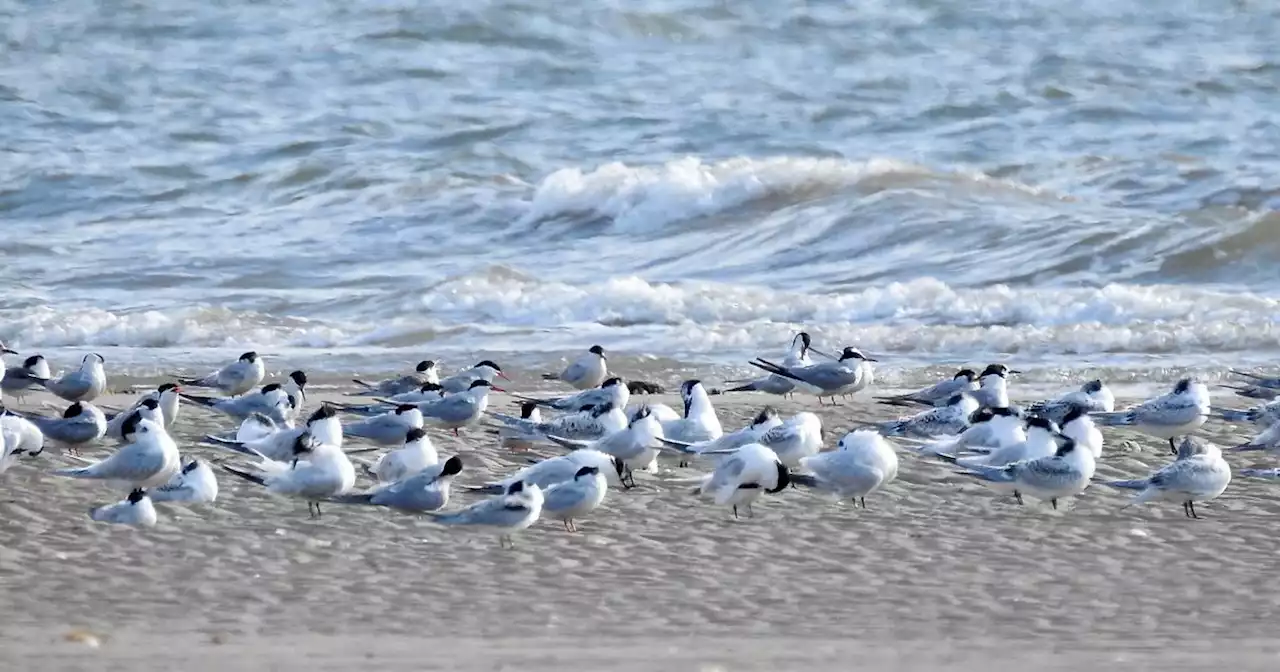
(352,182)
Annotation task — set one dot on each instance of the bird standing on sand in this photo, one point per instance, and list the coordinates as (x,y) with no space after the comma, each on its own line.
(1065,473)
(824,379)
(742,476)
(149,459)
(81,424)
(568,500)
(590,370)
(485,370)
(1092,397)
(773,383)
(389,428)
(415,453)
(84,384)
(938,394)
(862,463)
(424,372)
(516,509)
(1199,474)
(1177,413)
(29,377)
(316,472)
(420,492)
(235,378)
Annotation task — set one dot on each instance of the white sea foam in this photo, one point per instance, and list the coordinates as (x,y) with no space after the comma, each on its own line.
(925,302)
(45,327)
(500,311)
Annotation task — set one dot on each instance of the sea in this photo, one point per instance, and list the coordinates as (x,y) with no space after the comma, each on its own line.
(353,186)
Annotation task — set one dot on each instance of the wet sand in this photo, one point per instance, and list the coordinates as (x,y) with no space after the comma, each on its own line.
(936,573)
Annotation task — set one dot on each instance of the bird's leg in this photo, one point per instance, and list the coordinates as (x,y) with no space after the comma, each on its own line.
(1054,502)
(1173,448)
(1192,505)
(735,511)
(455,433)
(574,523)
(1018,496)
(863,501)
(1186,509)
(566,526)
(750,512)
(318,513)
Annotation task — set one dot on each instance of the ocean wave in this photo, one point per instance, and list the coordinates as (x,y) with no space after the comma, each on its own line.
(505,297)
(824,222)
(645,198)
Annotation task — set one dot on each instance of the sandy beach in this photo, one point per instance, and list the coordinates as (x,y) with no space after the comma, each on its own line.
(936,573)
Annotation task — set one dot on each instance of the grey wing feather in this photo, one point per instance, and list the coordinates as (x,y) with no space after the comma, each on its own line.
(729,469)
(562,496)
(1049,471)
(490,512)
(573,372)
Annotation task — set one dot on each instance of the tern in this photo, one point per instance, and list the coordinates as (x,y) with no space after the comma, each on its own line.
(424,372)
(84,384)
(938,394)
(1092,397)
(235,378)
(149,459)
(419,492)
(514,510)
(773,383)
(486,370)
(587,372)
(825,379)
(29,377)
(1177,413)
(1199,474)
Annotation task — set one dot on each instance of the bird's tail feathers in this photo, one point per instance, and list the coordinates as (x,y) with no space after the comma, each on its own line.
(807,480)
(246,475)
(1135,484)
(199,399)
(985,473)
(1231,414)
(571,444)
(353,498)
